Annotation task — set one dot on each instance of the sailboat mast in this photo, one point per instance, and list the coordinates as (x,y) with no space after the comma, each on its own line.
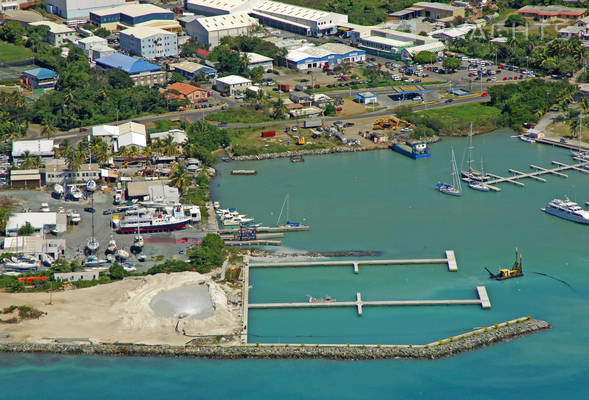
(470,148)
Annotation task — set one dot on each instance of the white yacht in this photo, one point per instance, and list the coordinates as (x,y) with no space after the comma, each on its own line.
(568,210)
(477,185)
(471,173)
(75,193)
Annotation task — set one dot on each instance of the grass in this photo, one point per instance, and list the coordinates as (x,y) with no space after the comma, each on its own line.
(242,114)
(455,120)
(10,52)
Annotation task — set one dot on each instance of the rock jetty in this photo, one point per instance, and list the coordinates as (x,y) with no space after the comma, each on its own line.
(440,349)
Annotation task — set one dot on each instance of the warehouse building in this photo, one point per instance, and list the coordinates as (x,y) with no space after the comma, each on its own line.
(128,15)
(78,10)
(39,147)
(189,69)
(327,54)
(210,30)
(142,72)
(219,7)
(257,60)
(552,12)
(300,20)
(439,11)
(149,43)
(393,44)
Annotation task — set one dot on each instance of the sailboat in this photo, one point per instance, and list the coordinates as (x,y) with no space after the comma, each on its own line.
(138,243)
(471,173)
(92,245)
(455,189)
(286,204)
(580,154)
(75,193)
(479,185)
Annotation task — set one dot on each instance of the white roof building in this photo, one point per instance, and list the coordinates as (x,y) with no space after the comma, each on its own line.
(130,139)
(105,130)
(210,30)
(58,33)
(178,136)
(40,147)
(41,221)
(164,194)
(78,9)
(433,47)
(219,7)
(458,32)
(234,80)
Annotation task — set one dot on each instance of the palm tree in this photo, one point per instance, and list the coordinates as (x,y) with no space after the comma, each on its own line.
(48,128)
(169,147)
(63,149)
(180,178)
(30,161)
(279,110)
(574,126)
(74,158)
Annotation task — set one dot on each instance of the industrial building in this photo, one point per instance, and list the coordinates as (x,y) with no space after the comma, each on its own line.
(189,69)
(41,222)
(39,147)
(58,34)
(149,43)
(78,10)
(257,60)
(552,12)
(300,20)
(327,54)
(76,276)
(232,84)
(219,7)
(33,245)
(95,47)
(142,72)
(210,30)
(393,44)
(129,15)
(438,11)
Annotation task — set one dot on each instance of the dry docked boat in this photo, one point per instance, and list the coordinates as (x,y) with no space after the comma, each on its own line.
(144,221)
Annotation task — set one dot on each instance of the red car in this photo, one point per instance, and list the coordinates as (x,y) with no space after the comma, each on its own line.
(504,78)
(484,94)
(470,75)
(515,78)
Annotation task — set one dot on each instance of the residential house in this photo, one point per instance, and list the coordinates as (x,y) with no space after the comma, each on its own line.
(40,78)
(141,72)
(58,35)
(188,92)
(189,69)
(232,84)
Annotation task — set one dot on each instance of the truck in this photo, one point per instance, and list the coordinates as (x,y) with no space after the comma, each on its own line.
(312,123)
(284,87)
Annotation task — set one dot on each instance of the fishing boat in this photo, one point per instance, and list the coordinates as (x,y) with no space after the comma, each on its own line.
(455,189)
(514,271)
(75,193)
(526,139)
(568,210)
(58,191)
(471,173)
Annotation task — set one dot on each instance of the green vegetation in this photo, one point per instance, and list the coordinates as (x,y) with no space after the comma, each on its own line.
(12,32)
(515,20)
(451,63)
(243,114)
(22,313)
(26,230)
(425,57)
(558,56)
(9,52)
(453,120)
(528,101)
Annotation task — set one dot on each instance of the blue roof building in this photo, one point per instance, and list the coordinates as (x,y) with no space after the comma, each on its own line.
(142,72)
(40,78)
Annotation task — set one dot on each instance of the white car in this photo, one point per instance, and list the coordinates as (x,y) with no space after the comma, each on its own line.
(294,129)
(45,207)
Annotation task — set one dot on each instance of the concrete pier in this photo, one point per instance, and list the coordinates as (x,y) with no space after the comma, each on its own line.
(270,229)
(450,260)
(245,273)
(235,243)
(483,301)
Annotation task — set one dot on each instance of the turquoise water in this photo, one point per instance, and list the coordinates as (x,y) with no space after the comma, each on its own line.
(385,202)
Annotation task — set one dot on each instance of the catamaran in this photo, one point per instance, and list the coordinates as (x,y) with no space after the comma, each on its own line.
(472,174)
(455,189)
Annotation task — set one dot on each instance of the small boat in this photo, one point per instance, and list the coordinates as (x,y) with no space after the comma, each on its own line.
(121,255)
(326,299)
(507,273)
(58,191)
(46,259)
(480,186)
(75,193)
(526,139)
(138,241)
(110,258)
(129,267)
(92,245)
(455,189)
(93,262)
(216,205)
(91,185)
(111,247)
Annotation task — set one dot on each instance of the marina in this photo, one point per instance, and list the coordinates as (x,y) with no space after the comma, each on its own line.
(483,301)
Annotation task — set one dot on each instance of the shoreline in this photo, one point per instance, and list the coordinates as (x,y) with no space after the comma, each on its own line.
(441,349)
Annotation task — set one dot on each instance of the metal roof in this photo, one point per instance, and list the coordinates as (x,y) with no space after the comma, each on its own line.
(132,10)
(225,5)
(230,21)
(255,58)
(127,64)
(233,80)
(292,11)
(40,73)
(41,147)
(53,27)
(142,32)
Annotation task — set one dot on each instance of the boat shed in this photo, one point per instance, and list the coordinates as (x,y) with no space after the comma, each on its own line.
(140,189)
(30,245)
(76,276)
(40,147)
(41,222)
(25,177)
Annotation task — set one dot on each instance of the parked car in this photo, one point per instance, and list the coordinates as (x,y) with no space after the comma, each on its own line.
(222,124)
(89,209)
(449,100)
(108,211)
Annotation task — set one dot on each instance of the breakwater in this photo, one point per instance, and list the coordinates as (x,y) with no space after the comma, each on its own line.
(442,348)
(307,152)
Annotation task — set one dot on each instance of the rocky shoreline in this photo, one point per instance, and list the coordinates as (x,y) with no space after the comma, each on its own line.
(443,348)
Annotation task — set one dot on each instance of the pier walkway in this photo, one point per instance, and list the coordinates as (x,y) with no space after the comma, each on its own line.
(245,293)
(483,301)
(580,167)
(450,260)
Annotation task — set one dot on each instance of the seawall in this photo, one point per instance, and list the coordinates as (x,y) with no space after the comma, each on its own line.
(443,348)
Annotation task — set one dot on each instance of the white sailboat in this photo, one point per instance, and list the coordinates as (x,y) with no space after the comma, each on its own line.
(92,245)
(75,193)
(580,154)
(479,185)
(471,173)
(455,189)
(58,191)
(286,204)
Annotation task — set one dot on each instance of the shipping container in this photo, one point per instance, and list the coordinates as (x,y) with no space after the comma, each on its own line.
(285,87)
(312,123)
(268,133)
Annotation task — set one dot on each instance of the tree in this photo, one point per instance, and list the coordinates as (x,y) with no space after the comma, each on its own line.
(102,32)
(48,128)
(574,127)
(179,178)
(425,57)
(209,255)
(451,63)
(515,20)
(256,74)
(229,61)
(329,110)
(177,77)
(30,161)
(12,32)
(279,110)
(119,79)
(117,271)
(26,230)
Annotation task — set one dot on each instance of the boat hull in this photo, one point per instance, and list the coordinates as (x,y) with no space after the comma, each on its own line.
(407,151)
(153,228)
(564,215)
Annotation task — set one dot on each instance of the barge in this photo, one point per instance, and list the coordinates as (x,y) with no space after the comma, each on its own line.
(412,149)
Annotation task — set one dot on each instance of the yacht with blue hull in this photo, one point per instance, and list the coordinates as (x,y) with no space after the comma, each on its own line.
(568,210)
(415,150)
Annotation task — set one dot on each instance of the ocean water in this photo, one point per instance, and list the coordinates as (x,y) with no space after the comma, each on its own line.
(384,202)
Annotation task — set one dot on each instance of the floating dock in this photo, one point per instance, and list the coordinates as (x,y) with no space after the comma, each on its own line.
(245,292)
(244,172)
(265,242)
(450,260)
(269,229)
(558,144)
(534,175)
(483,301)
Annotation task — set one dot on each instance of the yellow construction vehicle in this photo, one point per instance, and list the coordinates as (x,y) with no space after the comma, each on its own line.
(301,140)
(507,273)
(390,122)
